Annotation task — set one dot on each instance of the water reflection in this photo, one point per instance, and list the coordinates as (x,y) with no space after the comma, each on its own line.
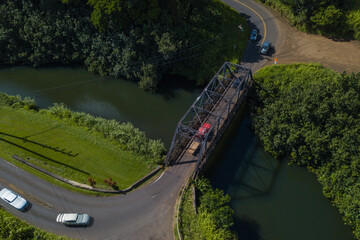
(271,200)
(156,114)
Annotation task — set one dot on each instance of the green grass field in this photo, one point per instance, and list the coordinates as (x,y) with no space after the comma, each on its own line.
(67,150)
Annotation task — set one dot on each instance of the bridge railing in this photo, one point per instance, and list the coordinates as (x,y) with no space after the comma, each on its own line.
(215,105)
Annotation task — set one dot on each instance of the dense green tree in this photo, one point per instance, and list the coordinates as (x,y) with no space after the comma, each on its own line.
(215,202)
(328,19)
(311,116)
(210,229)
(333,18)
(137,40)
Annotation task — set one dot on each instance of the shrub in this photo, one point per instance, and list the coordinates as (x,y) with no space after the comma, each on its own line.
(111,183)
(125,134)
(310,115)
(92,181)
(13,229)
(17,101)
(137,40)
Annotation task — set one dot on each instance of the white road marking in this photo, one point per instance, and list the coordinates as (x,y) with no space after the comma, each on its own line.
(159,178)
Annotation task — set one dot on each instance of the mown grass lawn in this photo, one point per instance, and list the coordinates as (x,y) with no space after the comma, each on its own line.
(67,150)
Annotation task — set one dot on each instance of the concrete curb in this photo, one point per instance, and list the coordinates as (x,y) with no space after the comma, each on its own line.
(84,186)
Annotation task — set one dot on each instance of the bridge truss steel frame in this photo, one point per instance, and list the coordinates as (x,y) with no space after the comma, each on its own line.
(216,105)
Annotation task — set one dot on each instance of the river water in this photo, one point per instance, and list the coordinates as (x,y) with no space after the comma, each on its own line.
(156,114)
(271,200)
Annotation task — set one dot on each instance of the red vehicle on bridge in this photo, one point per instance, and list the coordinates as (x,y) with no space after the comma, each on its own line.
(203,130)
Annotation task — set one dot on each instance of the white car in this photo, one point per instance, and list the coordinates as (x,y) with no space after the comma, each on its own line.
(13,199)
(73,219)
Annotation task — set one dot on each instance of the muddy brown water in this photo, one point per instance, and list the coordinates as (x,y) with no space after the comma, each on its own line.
(272,200)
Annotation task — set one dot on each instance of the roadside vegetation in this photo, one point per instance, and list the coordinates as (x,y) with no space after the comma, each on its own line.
(11,228)
(137,40)
(213,218)
(310,115)
(75,145)
(331,18)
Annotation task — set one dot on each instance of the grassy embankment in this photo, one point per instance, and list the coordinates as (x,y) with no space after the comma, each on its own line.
(13,228)
(213,217)
(67,150)
(310,115)
(189,226)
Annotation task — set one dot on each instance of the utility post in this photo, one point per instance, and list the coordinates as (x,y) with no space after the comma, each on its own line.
(241,28)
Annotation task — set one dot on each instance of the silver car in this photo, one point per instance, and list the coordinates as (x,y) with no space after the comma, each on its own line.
(265,48)
(73,219)
(13,199)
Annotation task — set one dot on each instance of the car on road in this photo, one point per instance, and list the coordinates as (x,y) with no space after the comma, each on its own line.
(265,48)
(13,199)
(73,219)
(203,130)
(254,35)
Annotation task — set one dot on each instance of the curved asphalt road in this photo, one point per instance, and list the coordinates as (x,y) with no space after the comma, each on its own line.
(146,213)
(262,19)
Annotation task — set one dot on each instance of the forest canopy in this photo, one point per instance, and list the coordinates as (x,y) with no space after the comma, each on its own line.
(333,18)
(141,41)
(311,115)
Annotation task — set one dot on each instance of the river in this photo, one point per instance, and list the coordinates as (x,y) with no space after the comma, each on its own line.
(272,200)
(156,114)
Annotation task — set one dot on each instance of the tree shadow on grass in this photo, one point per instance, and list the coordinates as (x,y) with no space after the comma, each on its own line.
(40,155)
(26,140)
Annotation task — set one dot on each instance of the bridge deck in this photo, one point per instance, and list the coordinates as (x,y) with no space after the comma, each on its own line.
(216,105)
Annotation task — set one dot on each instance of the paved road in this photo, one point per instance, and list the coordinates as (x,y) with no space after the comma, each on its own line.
(262,19)
(146,213)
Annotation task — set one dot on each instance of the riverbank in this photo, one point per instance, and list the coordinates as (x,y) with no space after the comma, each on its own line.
(143,43)
(73,152)
(309,114)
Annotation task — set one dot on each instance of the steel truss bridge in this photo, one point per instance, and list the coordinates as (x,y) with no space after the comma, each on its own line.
(216,105)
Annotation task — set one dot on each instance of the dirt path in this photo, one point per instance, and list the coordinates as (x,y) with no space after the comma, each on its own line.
(296,46)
